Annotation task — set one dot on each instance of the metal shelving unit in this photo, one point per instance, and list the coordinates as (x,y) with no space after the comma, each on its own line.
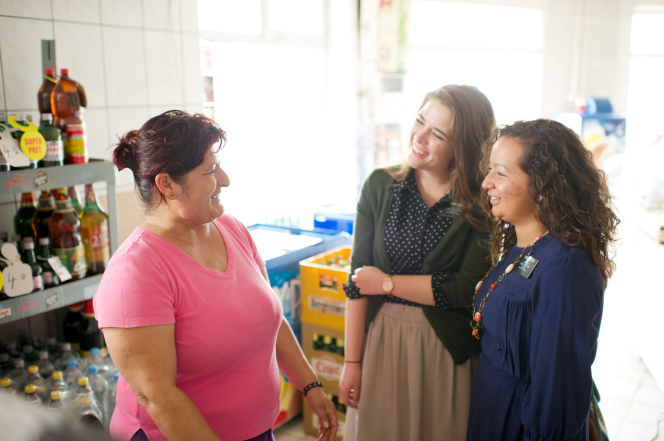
(20,181)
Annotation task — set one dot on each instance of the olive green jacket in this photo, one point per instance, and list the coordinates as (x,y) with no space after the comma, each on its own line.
(459,253)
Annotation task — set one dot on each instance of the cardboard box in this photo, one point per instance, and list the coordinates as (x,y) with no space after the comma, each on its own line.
(326,364)
(311,419)
(321,287)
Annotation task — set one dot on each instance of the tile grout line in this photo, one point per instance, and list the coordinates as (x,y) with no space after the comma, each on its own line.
(145,54)
(103,65)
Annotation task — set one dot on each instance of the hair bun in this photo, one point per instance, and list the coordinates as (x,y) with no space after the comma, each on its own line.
(123,155)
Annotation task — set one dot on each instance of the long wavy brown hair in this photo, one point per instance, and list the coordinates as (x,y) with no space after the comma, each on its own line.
(576,205)
(474,123)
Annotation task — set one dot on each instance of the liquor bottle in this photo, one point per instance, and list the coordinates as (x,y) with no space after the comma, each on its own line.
(75,200)
(30,259)
(55,153)
(50,278)
(94,232)
(4,165)
(76,148)
(44,94)
(65,228)
(41,218)
(23,217)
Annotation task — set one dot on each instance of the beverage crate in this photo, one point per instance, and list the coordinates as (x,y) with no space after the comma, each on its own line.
(324,348)
(311,419)
(323,297)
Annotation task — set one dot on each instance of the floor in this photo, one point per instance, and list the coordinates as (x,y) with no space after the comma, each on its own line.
(631,400)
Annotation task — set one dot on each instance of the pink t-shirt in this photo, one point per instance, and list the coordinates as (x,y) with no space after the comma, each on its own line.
(226,327)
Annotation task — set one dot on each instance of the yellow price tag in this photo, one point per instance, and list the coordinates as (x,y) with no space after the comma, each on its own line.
(33,145)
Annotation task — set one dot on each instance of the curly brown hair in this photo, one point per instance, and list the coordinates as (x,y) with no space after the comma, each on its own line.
(576,205)
(474,122)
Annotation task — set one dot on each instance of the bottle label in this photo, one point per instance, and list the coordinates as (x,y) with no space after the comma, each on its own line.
(99,238)
(38,282)
(48,277)
(83,400)
(55,151)
(76,148)
(73,259)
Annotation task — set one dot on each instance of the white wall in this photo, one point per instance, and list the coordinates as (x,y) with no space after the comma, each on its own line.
(135,59)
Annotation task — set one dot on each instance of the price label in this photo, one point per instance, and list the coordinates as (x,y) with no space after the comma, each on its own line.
(17,275)
(33,145)
(57,266)
(11,150)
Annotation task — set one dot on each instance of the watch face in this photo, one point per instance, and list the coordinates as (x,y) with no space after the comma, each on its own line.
(388,285)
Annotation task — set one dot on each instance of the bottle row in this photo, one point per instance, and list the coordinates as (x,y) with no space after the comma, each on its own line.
(61,137)
(58,227)
(328,344)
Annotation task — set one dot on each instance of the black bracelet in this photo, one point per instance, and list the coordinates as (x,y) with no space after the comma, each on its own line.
(311,386)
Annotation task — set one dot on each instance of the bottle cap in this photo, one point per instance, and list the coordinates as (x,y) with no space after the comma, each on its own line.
(43,355)
(57,375)
(50,72)
(327,339)
(72,363)
(28,244)
(56,395)
(83,381)
(93,369)
(94,352)
(33,369)
(116,375)
(5,382)
(30,389)
(64,71)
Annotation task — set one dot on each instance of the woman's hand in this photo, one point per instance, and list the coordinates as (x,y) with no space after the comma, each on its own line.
(350,384)
(369,280)
(327,413)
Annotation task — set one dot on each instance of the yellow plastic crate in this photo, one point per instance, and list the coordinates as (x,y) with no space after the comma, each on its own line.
(321,289)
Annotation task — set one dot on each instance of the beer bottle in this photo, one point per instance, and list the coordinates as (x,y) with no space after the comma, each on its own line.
(23,217)
(50,278)
(65,228)
(75,200)
(318,344)
(30,259)
(41,218)
(94,231)
(55,153)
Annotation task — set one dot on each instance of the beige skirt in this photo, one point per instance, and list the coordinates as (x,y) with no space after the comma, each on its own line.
(411,389)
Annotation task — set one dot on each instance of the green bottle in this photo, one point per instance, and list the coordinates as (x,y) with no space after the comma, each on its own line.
(23,217)
(55,151)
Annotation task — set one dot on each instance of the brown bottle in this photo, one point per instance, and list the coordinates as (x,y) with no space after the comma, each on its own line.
(42,217)
(65,228)
(67,98)
(44,94)
(94,231)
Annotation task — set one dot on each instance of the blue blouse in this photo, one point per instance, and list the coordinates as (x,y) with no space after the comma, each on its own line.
(539,339)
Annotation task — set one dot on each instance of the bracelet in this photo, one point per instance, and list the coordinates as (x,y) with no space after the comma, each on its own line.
(311,386)
(346,361)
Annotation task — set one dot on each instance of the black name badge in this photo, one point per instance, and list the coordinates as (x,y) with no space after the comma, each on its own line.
(526,266)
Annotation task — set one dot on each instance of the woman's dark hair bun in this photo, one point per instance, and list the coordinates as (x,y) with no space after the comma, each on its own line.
(123,155)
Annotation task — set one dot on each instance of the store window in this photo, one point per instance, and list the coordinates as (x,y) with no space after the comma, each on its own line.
(496,48)
(282,88)
(646,70)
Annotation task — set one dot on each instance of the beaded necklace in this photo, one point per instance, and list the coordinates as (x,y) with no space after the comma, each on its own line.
(477,314)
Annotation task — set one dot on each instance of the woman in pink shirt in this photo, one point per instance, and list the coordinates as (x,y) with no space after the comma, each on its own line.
(188,315)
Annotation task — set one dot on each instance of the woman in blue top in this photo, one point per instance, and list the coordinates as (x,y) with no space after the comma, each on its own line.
(538,311)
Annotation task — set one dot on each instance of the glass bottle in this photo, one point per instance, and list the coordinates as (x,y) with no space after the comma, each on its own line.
(50,278)
(30,258)
(75,200)
(76,149)
(44,94)
(41,218)
(23,217)
(55,151)
(65,228)
(94,231)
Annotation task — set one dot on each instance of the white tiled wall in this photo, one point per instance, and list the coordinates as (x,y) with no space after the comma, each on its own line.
(134,58)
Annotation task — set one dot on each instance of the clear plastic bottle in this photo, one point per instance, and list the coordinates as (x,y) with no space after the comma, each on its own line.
(12,351)
(35,378)
(96,359)
(36,342)
(72,373)
(18,375)
(46,368)
(30,395)
(7,387)
(111,395)
(30,356)
(58,383)
(97,383)
(88,411)
(56,403)
(67,354)
(53,348)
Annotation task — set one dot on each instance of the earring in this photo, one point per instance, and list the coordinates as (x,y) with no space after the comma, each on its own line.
(171,194)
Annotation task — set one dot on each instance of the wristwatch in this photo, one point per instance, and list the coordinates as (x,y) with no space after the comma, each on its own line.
(388,286)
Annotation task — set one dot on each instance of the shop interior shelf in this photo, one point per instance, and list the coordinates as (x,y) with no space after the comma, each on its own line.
(18,308)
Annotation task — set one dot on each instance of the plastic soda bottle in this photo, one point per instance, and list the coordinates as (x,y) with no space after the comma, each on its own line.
(7,387)
(65,228)
(44,94)
(94,231)
(66,98)
(58,383)
(31,396)
(42,215)
(76,148)
(72,373)
(30,357)
(88,411)
(35,378)
(97,383)
(46,368)
(56,403)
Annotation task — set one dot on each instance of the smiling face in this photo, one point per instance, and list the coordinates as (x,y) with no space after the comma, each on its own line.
(432,138)
(508,185)
(202,190)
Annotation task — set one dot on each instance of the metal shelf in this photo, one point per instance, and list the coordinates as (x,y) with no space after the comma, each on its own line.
(50,299)
(20,181)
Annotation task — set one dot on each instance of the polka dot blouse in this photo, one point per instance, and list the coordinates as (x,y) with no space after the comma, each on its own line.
(411,232)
